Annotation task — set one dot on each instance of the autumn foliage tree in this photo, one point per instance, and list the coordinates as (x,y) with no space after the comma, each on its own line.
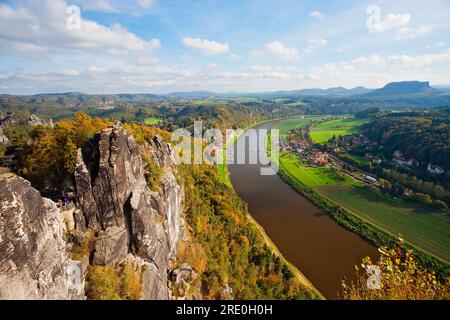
(51,153)
(400,277)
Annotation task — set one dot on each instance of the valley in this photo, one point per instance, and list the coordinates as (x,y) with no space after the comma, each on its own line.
(423,227)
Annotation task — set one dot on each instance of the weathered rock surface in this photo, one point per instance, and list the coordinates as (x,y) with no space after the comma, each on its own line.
(126,215)
(3,139)
(130,222)
(182,283)
(10,119)
(34,263)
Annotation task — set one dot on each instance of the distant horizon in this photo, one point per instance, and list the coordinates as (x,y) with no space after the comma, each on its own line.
(215,92)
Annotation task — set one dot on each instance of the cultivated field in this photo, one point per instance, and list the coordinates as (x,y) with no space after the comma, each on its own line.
(293,123)
(425,228)
(152,121)
(325,131)
(309,176)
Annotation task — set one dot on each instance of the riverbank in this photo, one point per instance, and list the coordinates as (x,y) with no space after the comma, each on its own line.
(224,176)
(307,237)
(274,249)
(346,217)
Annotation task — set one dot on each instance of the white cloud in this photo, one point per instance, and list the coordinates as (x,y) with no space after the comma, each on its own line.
(317,14)
(314,44)
(45,25)
(410,33)
(94,70)
(18,46)
(440,44)
(233,57)
(280,50)
(371,71)
(392,21)
(206,46)
(68,73)
(145,3)
(402,60)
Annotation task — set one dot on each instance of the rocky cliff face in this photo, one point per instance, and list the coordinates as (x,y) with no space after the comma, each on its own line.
(34,263)
(3,139)
(130,220)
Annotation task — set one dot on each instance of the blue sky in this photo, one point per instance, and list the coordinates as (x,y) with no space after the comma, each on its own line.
(159,46)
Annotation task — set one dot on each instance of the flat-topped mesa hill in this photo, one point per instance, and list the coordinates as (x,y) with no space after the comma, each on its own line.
(119,222)
(403,88)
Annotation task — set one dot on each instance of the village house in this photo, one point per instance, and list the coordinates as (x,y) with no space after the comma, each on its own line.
(320,158)
(400,159)
(436,170)
(377,161)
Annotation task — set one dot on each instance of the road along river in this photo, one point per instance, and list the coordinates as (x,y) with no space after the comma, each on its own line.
(307,237)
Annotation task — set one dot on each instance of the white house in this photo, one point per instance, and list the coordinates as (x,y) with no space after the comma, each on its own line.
(435,169)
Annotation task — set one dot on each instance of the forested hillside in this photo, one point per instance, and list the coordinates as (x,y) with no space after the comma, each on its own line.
(422,135)
(223,246)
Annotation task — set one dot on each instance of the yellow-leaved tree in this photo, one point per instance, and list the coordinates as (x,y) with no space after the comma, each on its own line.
(396,276)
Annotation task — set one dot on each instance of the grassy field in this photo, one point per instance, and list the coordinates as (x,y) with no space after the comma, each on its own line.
(289,102)
(309,176)
(152,121)
(325,131)
(296,104)
(297,122)
(427,229)
(424,228)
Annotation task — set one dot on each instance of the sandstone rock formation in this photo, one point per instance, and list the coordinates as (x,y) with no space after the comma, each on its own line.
(3,139)
(130,222)
(34,263)
(127,217)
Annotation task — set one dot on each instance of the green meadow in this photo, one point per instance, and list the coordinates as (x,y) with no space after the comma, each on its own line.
(341,127)
(425,228)
(286,125)
(152,121)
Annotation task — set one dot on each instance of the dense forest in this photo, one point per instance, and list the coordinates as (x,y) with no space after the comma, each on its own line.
(422,135)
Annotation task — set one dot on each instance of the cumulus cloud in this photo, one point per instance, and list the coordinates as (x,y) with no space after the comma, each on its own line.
(280,50)
(317,14)
(206,46)
(371,71)
(44,25)
(391,21)
(314,44)
(402,60)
